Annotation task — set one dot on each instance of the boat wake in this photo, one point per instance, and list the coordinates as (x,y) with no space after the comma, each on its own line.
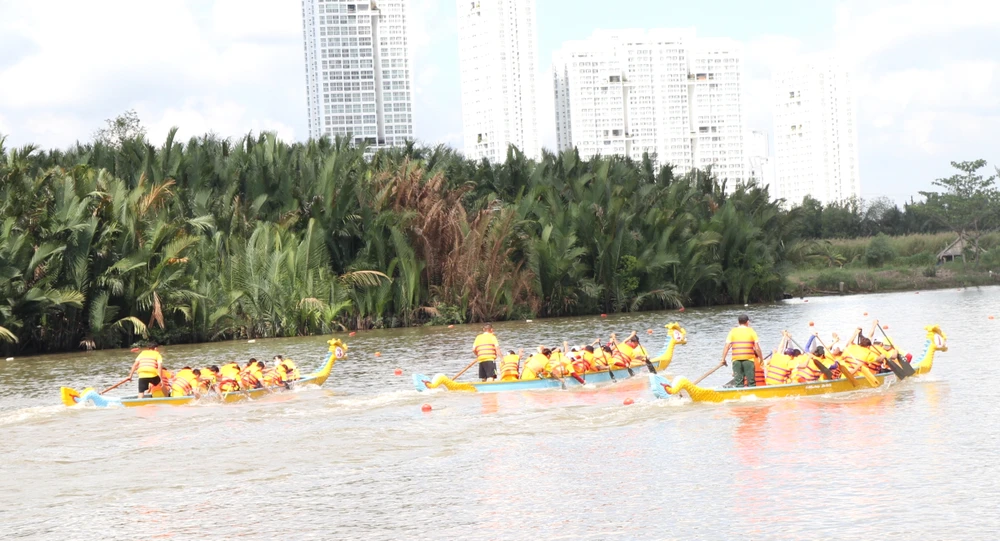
(29,415)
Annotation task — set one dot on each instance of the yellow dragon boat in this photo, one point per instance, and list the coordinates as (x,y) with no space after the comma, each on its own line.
(677,335)
(664,388)
(72,397)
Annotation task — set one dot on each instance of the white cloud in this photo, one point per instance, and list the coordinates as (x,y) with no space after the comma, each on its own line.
(257,19)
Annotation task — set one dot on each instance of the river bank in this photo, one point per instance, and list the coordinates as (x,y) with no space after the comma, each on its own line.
(814,282)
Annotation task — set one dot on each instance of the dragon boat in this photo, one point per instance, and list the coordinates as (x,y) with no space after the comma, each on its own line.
(72,397)
(664,388)
(677,335)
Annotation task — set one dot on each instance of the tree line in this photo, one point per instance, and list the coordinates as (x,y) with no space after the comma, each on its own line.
(118,239)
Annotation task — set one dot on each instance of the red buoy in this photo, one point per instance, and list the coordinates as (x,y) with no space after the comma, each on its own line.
(886,327)
(352,333)
(451,326)
(649,331)
(398,371)
(811,324)
(136,350)
(681,309)
(628,402)
(425,408)
(378,353)
(604,315)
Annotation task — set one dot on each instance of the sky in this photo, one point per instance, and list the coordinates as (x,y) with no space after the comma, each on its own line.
(927,73)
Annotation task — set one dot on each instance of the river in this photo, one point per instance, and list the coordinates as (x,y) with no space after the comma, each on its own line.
(358,459)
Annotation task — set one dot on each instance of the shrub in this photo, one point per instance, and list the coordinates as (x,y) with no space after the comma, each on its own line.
(829,279)
(930,272)
(879,251)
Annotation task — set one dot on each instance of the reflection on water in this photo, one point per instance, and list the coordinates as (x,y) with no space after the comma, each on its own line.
(358,459)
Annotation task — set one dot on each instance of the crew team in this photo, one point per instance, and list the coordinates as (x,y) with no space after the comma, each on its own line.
(155,381)
(555,362)
(790,364)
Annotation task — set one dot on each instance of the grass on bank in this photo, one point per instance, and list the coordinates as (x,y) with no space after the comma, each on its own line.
(868,265)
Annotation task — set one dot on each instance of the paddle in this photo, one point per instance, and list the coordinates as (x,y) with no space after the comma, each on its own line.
(822,367)
(611,371)
(904,366)
(825,370)
(569,359)
(847,374)
(709,373)
(862,369)
(614,344)
(464,369)
(115,386)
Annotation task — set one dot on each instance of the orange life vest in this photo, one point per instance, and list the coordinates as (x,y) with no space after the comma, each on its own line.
(758,373)
(181,387)
(777,374)
(619,360)
(808,371)
(485,347)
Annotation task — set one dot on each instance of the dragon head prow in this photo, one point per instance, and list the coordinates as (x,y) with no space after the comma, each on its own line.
(938,340)
(678,333)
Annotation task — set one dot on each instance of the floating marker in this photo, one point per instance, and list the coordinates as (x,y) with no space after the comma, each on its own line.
(991,317)
(811,324)
(134,350)
(398,371)
(352,333)
(528,321)
(805,300)
(425,408)
(11,358)
(628,402)
(746,306)
(251,341)
(378,353)
(886,327)
(681,309)
(604,315)
(866,313)
(451,326)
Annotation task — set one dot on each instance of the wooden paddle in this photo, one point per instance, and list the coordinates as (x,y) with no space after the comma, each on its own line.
(628,365)
(115,386)
(709,373)
(863,369)
(611,370)
(809,356)
(904,366)
(466,368)
(826,371)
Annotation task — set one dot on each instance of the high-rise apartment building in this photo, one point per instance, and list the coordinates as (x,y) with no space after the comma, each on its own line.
(760,163)
(358,72)
(662,92)
(498,58)
(815,133)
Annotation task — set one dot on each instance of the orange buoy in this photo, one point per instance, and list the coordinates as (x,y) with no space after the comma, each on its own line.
(649,331)
(451,326)
(681,309)
(398,371)
(604,315)
(805,300)
(886,327)
(352,333)
(811,324)
(866,313)
(378,353)
(628,402)
(425,408)
(991,317)
(135,350)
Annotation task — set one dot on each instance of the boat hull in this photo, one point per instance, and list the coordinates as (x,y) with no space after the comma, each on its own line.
(71,397)
(424,383)
(664,388)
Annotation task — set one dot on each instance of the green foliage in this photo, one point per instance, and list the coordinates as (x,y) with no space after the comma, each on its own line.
(879,251)
(830,279)
(930,271)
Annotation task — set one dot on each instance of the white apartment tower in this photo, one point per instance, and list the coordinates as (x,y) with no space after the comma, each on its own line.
(358,70)
(498,58)
(815,133)
(665,92)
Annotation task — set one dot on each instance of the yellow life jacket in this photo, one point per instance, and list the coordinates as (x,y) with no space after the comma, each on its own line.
(183,383)
(206,379)
(779,370)
(508,367)
(742,340)
(534,366)
(289,372)
(486,347)
(149,363)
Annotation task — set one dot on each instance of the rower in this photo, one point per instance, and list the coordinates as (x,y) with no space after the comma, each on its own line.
(585,361)
(185,383)
(208,377)
(229,377)
(602,358)
(251,375)
(862,353)
(289,372)
(534,367)
(637,354)
(148,366)
(509,366)
(745,347)
(486,349)
(808,371)
(779,370)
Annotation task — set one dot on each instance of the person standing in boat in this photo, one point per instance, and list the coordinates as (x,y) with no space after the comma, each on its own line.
(486,348)
(148,366)
(742,342)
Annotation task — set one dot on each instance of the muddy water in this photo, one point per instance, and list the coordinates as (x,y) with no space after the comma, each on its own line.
(357,459)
